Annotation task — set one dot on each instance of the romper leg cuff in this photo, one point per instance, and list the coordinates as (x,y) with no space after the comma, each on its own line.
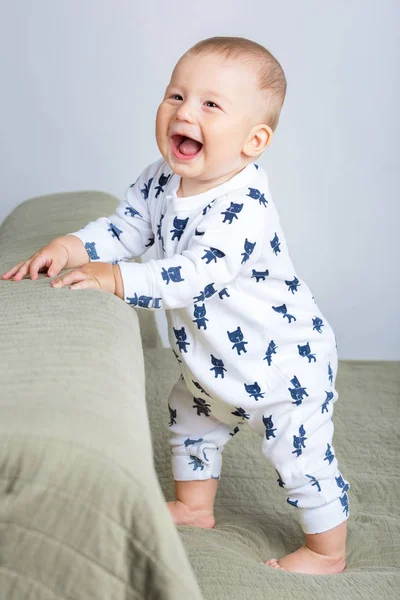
(322,518)
(189,467)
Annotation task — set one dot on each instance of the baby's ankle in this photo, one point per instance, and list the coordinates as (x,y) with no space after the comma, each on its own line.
(196,509)
(197,495)
(186,515)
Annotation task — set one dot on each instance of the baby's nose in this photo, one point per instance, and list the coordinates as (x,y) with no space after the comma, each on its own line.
(185,112)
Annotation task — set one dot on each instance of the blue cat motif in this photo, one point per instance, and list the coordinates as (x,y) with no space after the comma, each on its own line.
(292,502)
(329,456)
(305,351)
(181,336)
(344,501)
(190,442)
(257,195)
(202,407)
(269,427)
(330,373)
(342,483)
(224,292)
(173,274)
(209,291)
(145,191)
(150,243)
(283,311)
(248,249)
(208,207)
(293,285)
(218,367)
(199,313)
(115,231)
(253,389)
(196,462)
(232,212)
(317,324)
(179,227)
(297,392)
(212,254)
(172,414)
(275,243)
(270,351)
(235,431)
(280,481)
(299,441)
(132,212)
(162,181)
(91,250)
(237,337)
(324,406)
(259,274)
(240,412)
(314,481)
(144,301)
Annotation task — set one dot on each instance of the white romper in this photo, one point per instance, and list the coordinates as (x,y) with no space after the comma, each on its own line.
(252,345)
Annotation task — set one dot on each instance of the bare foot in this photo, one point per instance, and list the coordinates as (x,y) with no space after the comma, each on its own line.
(183,515)
(307,561)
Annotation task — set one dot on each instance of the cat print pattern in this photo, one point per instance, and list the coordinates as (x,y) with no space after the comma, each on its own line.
(251,343)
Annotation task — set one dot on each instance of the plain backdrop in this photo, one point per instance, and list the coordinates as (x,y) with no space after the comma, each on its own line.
(81,81)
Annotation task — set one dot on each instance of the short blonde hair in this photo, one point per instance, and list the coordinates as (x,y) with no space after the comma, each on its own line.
(271,78)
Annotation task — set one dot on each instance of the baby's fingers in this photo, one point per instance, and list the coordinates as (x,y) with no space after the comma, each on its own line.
(74,276)
(33,265)
(12,271)
(37,263)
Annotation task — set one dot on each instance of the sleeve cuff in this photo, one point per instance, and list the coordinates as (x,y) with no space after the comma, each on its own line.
(90,239)
(138,284)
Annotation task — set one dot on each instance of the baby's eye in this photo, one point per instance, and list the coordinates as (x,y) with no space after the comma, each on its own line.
(174,96)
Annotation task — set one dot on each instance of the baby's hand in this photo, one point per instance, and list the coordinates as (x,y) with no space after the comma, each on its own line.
(95,275)
(53,257)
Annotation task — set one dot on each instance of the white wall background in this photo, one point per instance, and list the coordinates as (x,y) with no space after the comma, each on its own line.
(81,81)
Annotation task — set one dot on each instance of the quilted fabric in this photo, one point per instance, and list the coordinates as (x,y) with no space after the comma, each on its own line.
(82,515)
(253,520)
(82,511)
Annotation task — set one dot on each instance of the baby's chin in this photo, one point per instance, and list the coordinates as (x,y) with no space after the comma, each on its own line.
(189,169)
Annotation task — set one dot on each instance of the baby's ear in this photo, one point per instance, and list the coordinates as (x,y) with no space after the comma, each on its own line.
(260,137)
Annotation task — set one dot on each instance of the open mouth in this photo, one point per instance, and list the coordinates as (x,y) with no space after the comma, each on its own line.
(184,147)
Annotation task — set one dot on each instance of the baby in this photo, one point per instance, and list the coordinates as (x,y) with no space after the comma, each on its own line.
(252,345)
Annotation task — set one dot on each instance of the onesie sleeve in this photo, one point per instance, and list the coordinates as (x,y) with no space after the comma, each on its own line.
(228,239)
(127,233)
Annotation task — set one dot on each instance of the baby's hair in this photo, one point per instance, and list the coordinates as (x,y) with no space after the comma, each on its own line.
(271,78)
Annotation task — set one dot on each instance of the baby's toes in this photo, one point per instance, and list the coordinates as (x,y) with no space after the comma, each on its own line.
(273,563)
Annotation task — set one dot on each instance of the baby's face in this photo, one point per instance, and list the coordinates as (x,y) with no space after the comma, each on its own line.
(217,102)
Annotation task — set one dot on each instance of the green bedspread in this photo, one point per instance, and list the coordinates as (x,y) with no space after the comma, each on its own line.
(84,463)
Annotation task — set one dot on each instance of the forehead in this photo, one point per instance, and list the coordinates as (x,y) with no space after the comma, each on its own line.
(209,73)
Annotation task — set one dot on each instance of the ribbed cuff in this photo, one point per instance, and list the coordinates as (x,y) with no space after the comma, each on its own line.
(323,518)
(98,243)
(189,467)
(138,285)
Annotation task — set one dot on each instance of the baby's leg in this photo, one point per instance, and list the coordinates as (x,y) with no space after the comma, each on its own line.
(194,504)
(197,440)
(297,440)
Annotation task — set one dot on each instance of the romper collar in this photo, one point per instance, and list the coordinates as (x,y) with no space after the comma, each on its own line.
(188,203)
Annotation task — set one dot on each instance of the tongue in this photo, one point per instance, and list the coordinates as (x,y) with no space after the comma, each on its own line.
(190,147)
